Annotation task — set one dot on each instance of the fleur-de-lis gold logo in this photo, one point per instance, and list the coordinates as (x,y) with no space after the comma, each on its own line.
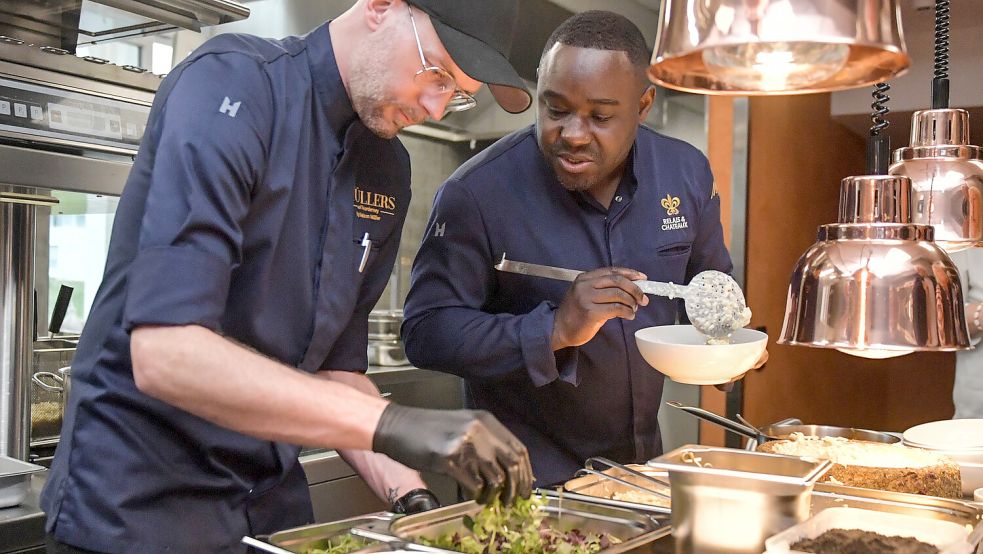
(671,204)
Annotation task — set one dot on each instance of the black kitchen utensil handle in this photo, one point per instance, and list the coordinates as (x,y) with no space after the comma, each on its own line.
(61,308)
(717,419)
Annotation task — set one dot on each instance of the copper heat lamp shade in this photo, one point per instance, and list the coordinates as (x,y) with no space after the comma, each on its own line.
(762,47)
(946,175)
(872,285)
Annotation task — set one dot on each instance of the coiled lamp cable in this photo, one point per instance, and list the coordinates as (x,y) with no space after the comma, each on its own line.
(940,83)
(878,143)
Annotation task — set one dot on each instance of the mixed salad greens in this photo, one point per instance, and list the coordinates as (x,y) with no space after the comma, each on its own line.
(342,544)
(520,529)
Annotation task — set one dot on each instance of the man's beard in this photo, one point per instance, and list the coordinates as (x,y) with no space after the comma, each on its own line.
(369,96)
(373,116)
(574,184)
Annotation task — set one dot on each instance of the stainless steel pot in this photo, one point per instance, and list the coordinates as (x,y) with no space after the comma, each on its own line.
(782,431)
(387,353)
(384,324)
(385,347)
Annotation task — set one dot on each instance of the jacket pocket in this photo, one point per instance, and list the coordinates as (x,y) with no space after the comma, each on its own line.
(671,261)
(675,249)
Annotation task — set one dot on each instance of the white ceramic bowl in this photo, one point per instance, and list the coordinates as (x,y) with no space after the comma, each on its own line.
(682,354)
(948,434)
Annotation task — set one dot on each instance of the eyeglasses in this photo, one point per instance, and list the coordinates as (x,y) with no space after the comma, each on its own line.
(438,82)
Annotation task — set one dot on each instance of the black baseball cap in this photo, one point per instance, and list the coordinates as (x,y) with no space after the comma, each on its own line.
(478,36)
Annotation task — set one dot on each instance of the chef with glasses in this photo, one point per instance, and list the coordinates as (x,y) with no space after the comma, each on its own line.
(257,229)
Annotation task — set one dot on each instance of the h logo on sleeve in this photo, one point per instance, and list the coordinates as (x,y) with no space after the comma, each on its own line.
(438,229)
(229,108)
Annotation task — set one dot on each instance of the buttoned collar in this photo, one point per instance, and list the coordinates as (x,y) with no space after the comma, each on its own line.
(327,79)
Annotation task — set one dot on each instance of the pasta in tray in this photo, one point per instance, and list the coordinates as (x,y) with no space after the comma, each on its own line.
(639,497)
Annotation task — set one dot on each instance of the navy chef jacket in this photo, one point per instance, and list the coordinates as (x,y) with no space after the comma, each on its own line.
(494,328)
(244,213)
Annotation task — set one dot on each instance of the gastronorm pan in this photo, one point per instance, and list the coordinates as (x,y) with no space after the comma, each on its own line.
(827,495)
(632,528)
(602,489)
(726,500)
(319,535)
(824,495)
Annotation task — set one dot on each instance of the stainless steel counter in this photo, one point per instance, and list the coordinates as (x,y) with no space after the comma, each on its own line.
(22,526)
(336,490)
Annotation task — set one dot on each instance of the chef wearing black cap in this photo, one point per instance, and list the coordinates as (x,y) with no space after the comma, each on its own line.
(257,230)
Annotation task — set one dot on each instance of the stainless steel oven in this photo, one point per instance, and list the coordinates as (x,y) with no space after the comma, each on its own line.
(66,124)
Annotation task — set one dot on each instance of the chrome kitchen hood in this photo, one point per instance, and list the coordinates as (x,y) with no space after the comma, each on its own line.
(187,14)
(66,24)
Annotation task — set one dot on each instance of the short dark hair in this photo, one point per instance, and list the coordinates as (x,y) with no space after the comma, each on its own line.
(602,30)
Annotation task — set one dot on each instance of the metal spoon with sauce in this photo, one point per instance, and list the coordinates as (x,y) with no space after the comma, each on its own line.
(714,301)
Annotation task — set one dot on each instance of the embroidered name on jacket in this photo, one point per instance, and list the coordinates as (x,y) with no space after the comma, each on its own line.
(371,205)
(674,221)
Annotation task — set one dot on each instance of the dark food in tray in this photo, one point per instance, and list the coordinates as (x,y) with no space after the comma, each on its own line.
(855,541)
(519,529)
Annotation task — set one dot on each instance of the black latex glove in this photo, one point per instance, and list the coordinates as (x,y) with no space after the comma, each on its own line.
(470,446)
(416,501)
